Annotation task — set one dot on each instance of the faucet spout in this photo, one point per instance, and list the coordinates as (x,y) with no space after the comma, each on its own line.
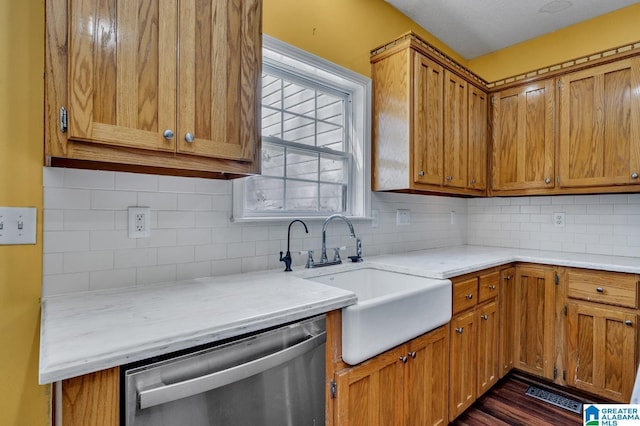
(287,257)
(323,257)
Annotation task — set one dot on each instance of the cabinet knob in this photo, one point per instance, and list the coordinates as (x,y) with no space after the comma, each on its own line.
(412,355)
(189,137)
(634,175)
(547,181)
(600,290)
(492,287)
(628,322)
(459,330)
(473,181)
(404,359)
(449,178)
(421,173)
(507,278)
(469,296)
(168,134)
(484,317)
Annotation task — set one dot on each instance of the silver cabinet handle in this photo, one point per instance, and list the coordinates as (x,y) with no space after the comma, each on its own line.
(459,330)
(421,173)
(628,322)
(484,317)
(189,137)
(600,290)
(168,134)
(473,181)
(163,394)
(507,278)
(412,355)
(491,287)
(547,181)
(469,296)
(404,359)
(449,178)
(634,175)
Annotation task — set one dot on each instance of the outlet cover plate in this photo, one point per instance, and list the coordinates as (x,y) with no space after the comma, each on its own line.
(558,220)
(139,222)
(403,217)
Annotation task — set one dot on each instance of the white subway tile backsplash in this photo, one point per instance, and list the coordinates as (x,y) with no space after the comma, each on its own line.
(136,182)
(89,179)
(86,244)
(67,199)
(86,261)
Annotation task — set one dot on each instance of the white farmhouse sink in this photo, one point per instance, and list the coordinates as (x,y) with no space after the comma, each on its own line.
(392,308)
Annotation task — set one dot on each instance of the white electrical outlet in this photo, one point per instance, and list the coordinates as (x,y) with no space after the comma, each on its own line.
(139,222)
(403,217)
(558,220)
(375,218)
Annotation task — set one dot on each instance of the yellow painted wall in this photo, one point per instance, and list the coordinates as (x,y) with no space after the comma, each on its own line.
(614,29)
(22,400)
(341,31)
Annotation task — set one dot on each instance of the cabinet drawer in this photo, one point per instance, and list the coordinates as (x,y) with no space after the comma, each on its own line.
(488,286)
(603,287)
(465,294)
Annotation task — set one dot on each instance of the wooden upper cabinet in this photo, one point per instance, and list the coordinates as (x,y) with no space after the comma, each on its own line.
(166,84)
(455,130)
(523,128)
(429,123)
(218,75)
(428,116)
(599,137)
(477,138)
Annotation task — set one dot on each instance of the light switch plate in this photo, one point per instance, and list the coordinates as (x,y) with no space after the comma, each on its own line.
(18,225)
(403,217)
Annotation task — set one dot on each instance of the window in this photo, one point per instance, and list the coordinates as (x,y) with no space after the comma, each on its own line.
(315,138)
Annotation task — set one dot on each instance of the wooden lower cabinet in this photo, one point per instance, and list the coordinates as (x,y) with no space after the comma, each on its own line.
(462,383)
(404,386)
(487,317)
(535,320)
(602,332)
(507,319)
(602,350)
(92,399)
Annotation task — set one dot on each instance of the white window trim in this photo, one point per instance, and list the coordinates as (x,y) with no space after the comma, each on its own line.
(288,56)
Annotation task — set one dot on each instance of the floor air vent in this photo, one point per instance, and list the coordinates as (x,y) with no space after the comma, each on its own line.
(555,399)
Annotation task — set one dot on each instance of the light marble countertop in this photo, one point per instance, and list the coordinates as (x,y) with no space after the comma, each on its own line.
(87,332)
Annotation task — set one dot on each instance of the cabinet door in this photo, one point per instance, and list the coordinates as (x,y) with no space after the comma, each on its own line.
(488,347)
(477,139)
(507,319)
(371,394)
(219,71)
(599,135)
(92,399)
(523,150)
(427,379)
(463,371)
(601,350)
(535,302)
(428,83)
(455,131)
(122,72)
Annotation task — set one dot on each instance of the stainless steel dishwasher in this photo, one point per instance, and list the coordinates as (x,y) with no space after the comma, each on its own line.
(274,377)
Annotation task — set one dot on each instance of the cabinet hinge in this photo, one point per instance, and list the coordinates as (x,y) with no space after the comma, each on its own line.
(559,84)
(555,373)
(558,179)
(64,121)
(557,279)
(566,310)
(564,374)
(493,100)
(334,389)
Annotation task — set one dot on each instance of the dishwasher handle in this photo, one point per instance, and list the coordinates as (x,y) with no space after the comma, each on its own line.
(163,394)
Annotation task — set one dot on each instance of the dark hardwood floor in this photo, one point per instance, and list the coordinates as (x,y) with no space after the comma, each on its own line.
(506,404)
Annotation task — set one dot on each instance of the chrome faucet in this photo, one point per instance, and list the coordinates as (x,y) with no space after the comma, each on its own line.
(324,261)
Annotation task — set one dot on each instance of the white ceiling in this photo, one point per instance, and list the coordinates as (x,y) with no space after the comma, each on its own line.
(475,27)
